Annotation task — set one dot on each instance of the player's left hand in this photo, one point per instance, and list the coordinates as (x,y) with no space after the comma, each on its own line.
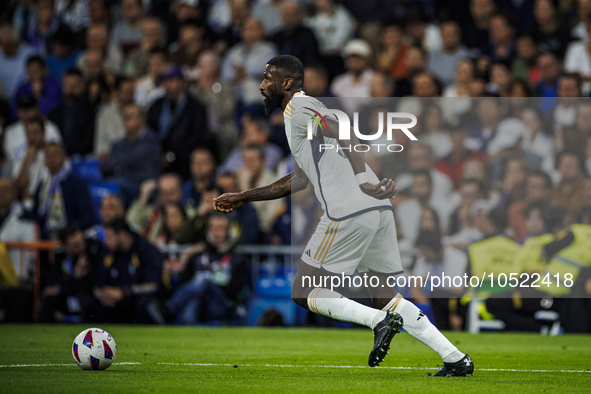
(383,190)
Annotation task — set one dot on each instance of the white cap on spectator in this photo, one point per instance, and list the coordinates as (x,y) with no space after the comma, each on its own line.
(357,47)
(509,132)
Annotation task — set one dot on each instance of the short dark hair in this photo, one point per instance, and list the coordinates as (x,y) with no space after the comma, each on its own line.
(119,225)
(160,51)
(66,232)
(291,66)
(73,71)
(259,148)
(429,238)
(543,175)
(120,80)
(554,216)
(37,120)
(35,59)
(498,218)
(425,173)
(476,182)
(533,205)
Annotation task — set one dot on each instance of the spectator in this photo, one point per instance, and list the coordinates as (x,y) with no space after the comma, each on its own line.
(220,98)
(461,220)
(30,169)
(255,131)
(577,59)
(550,31)
(109,120)
(42,26)
(381,85)
(421,157)
(453,163)
(202,173)
(63,54)
(295,39)
(61,198)
(316,82)
(42,86)
(332,26)
(146,212)
(434,260)
(97,39)
(75,115)
(240,11)
(500,79)
(420,32)
(174,217)
(127,162)
(409,212)
(569,191)
(111,208)
(269,13)
(501,32)
(180,122)
(244,61)
(129,278)
(74,271)
(245,214)
(489,114)
(464,75)
(147,88)
(13,57)
(15,137)
(416,63)
(549,71)
(538,187)
(475,33)
(565,112)
(392,57)
(13,227)
(153,37)
(525,66)
(442,63)
(355,83)
(190,44)
(254,174)
(212,280)
(536,141)
(126,35)
(192,230)
(534,219)
(424,84)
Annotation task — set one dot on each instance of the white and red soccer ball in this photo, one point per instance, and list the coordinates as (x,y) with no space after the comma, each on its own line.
(94,349)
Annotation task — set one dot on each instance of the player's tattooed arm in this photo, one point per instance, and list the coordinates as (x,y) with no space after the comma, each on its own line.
(291,183)
(385,188)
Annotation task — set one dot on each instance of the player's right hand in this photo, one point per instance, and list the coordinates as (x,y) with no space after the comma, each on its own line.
(383,190)
(227,202)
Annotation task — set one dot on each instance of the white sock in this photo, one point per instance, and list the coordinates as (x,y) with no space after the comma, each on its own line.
(331,304)
(418,325)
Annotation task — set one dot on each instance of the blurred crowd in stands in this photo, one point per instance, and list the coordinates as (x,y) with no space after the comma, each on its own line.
(121,120)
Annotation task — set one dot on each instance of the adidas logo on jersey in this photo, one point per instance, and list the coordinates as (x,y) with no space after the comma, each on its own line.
(421,314)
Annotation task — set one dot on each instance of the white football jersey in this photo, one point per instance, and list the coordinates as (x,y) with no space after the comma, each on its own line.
(328,170)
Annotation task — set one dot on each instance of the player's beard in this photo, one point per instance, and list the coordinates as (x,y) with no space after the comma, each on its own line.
(272,102)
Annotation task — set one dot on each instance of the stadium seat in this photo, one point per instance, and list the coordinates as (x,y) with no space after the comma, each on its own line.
(275,293)
(87,169)
(100,190)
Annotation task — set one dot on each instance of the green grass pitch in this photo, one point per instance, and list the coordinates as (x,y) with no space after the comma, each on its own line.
(189,359)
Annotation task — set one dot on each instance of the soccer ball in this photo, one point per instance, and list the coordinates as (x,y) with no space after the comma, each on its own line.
(94,349)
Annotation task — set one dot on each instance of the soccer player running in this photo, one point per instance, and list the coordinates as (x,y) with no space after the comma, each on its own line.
(357,229)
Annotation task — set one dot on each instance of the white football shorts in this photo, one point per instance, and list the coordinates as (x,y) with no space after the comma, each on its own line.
(366,242)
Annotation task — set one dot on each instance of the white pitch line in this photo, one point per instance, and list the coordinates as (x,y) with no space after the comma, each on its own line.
(365,367)
(303,366)
(53,365)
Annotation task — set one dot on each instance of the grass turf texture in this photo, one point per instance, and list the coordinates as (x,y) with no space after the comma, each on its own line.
(284,360)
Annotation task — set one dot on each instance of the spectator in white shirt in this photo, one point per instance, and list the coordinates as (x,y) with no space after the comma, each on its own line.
(355,84)
(332,25)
